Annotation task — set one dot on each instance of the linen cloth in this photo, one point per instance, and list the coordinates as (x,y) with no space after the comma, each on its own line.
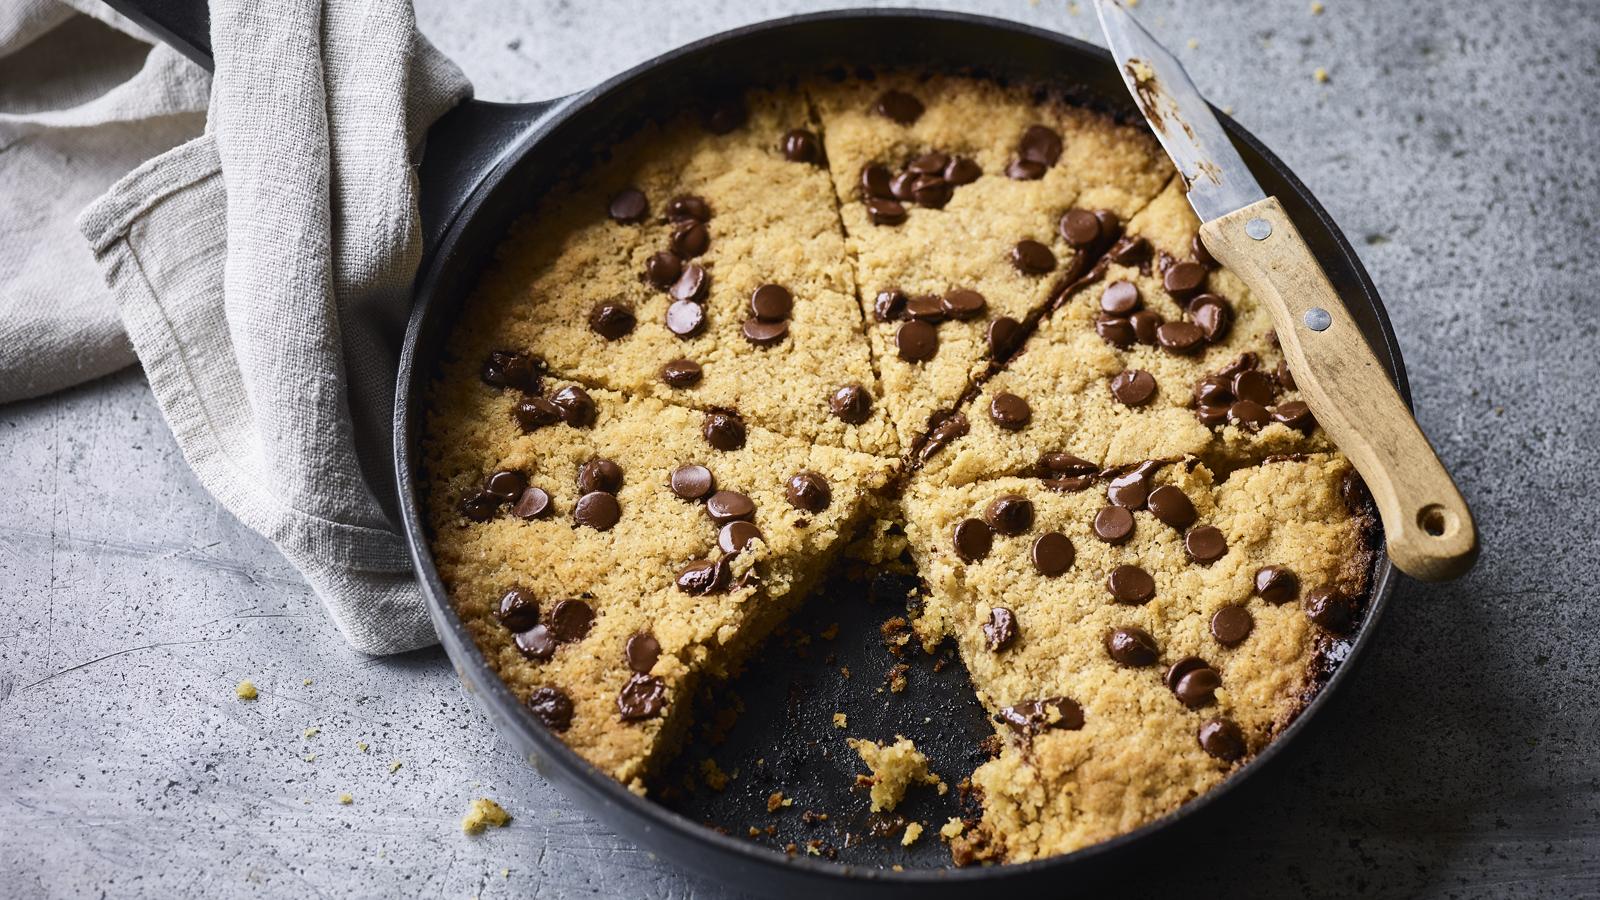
(260,270)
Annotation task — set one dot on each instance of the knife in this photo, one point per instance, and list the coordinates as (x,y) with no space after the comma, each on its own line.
(1427,524)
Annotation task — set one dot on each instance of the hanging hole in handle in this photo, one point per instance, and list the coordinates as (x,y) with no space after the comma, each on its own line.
(1435,520)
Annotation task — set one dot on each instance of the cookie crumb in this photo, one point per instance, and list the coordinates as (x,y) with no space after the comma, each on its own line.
(1316,8)
(312,732)
(913,831)
(1192,43)
(952,829)
(714,777)
(362,746)
(483,814)
(306,682)
(1321,75)
(346,799)
(776,801)
(840,720)
(831,632)
(895,767)
(246,690)
(395,766)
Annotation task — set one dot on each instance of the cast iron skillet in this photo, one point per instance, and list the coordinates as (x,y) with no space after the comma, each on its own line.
(484,165)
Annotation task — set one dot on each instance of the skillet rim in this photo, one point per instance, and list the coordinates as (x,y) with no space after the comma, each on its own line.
(608,799)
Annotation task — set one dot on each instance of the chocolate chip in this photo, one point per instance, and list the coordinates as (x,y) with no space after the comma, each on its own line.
(1284,376)
(973,539)
(1032,258)
(1146,326)
(1130,584)
(931,191)
(1113,524)
(686,318)
(1171,505)
(1213,315)
(688,208)
(903,186)
(599,475)
(1211,416)
(802,146)
(1296,415)
(570,621)
(533,504)
(929,163)
(723,430)
(509,368)
(1353,491)
(1222,739)
(1134,387)
(889,306)
(728,506)
(1276,585)
(735,535)
(875,182)
(552,707)
(962,170)
(916,341)
(576,406)
(808,492)
(479,507)
(1245,361)
(1079,227)
(1000,630)
(963,304)
(1010,412)
(692,284)
(1040,144)
(898,106)
(641,652)
(598,510)
(536,643)
(949,427)
(628,205)
(1009,515)
(885,212)
(1130,251)
(535,413)
(1003,334)
(1052,554)
(1182,667)
(1205,543)
(852,403)
(681,373)
(1025,170)
(771,303)
(1197,249)
(1231,625)
(663,268)
(1255,386)
(691,239)
(1331,610)
(1133,647)
(1033,716)
(724,115)
(518,610)
(1197,687)
(611,319)
(926,308)
(692,482)
(1131,488)
(763,334)
(1114,330)
(1120,298)
(643,697)
(1181,338)
(505,486)
(1061,463)
(1249,415)
(1183,279)
(704,577)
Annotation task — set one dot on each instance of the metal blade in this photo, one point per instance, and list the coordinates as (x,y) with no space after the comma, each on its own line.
(1218,180)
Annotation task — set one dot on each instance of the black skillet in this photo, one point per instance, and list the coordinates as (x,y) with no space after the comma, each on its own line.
(486,163)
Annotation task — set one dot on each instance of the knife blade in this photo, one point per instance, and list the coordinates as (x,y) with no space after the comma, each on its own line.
(1218,180)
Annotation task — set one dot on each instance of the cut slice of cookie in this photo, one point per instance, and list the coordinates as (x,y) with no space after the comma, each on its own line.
(967,205)
(1162,355)
(703,265)
(1135,637)
(609,553)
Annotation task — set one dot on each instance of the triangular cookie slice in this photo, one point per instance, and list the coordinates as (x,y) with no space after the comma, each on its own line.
(609,553)
(1134,638)
(953,192)
(703,265)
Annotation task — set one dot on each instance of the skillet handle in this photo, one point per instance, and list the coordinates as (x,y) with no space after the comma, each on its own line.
(183,24)
(463,148)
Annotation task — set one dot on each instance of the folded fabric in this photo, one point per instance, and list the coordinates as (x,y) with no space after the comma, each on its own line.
(262,273)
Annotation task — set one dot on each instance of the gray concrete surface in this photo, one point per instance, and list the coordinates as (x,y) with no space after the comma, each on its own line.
(1455,143)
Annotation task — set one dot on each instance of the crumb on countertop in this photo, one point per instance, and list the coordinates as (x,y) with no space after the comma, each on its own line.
(1321,75)
(246,690)
(346,799)
(483,814)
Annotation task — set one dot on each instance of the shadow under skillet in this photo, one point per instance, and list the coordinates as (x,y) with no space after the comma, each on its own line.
(785,738)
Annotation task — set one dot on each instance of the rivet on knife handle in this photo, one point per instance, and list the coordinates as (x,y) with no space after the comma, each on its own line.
(1428,526)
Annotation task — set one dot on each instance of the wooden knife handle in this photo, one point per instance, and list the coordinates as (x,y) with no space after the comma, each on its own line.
(1428,525)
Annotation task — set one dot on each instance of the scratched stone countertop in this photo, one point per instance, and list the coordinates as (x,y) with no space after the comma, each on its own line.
(1453,142)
